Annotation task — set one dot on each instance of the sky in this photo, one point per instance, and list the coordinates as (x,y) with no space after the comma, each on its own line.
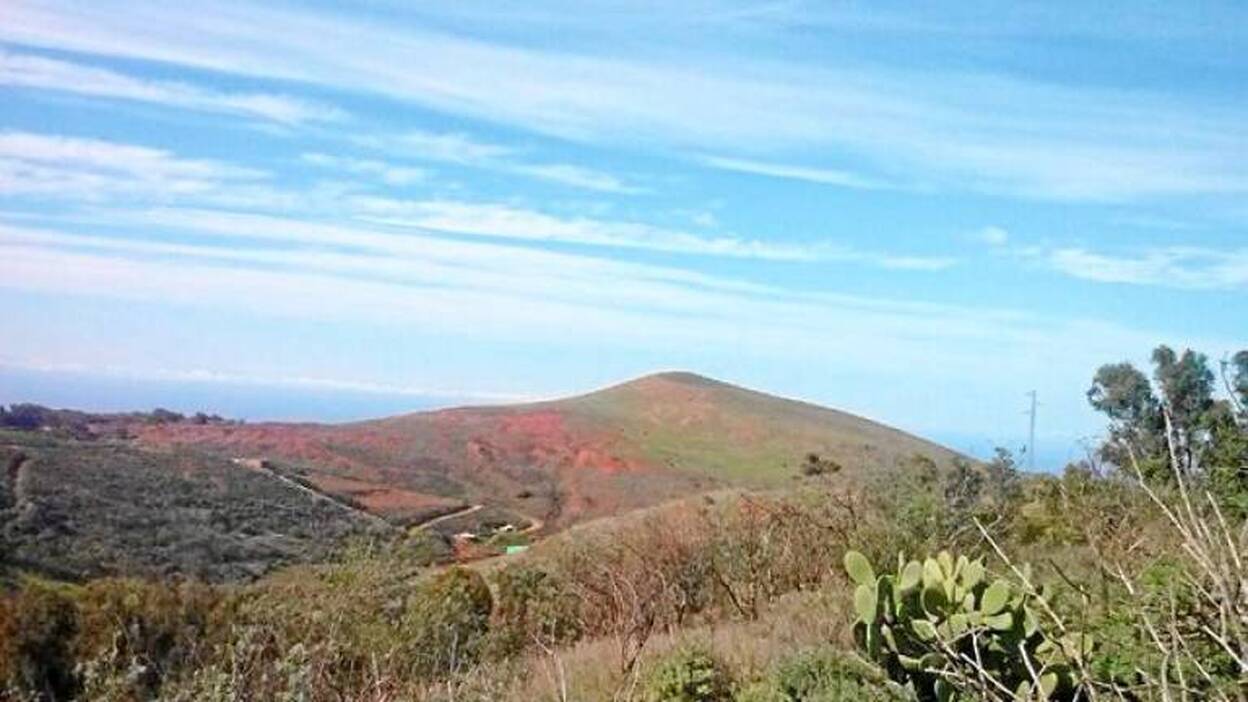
(917,212)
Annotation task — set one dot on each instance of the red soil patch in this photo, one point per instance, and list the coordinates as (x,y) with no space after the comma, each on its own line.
(541,426)
(376,497)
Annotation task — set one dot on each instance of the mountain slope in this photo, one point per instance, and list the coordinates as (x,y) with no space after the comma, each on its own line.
(628,446)
(740,435)
(78,509)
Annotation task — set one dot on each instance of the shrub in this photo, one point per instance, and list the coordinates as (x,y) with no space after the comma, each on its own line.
(134,634)
(532,606)
(691,674)
(814,465)
(761,691)
(448,621)
(37,627)
(1195,610)
(827,675)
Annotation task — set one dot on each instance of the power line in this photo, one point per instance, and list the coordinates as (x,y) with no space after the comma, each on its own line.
(1031,433)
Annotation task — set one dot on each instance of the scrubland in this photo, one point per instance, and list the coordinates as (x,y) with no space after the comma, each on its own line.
(1116,579)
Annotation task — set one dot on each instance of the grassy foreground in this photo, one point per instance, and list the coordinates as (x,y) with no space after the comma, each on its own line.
(1125,578)
(734,596)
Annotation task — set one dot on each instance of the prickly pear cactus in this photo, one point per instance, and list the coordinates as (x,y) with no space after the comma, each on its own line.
(942,630)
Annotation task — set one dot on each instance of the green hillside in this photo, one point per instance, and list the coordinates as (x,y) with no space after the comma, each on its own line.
(693,423)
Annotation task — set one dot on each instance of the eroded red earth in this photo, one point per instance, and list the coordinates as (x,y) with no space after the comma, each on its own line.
(413,465)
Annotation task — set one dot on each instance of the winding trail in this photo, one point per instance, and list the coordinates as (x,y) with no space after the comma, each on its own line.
(264,466)
(13,477)
(450,515)
(535,524)
(318,495)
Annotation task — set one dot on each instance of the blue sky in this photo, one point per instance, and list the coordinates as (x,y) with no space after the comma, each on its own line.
(916,212)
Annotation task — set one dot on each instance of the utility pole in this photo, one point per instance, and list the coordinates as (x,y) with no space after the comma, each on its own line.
(1031,434)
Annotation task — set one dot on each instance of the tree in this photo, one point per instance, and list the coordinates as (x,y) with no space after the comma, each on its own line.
(1237,382)
(963,486)
(24,416)
(1123,394)
(1186,385)
(1178,410)
(1004,483)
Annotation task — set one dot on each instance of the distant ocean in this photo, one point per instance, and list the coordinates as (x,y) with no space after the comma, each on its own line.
(1053,453)
(246,401)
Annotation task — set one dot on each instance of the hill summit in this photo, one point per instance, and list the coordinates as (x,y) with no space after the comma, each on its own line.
(630,445)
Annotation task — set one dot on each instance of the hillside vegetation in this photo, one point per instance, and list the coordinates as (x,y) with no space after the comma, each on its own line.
(608,452)
(1121,579)
(159,493)
(83,508)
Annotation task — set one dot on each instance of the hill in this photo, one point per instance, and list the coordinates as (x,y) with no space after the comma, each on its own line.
(562,461)
(159,493)
(77,509)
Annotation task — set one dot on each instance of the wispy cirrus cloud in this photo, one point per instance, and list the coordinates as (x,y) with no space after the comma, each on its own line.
(476,288)
(576,177)
(447,147)
(31,71)
(510,222)
(823,176)
(90,169)
(464,150)
(386,172)
(991,235)
(1178,267)
(956,130)
(298,382)
(95,171)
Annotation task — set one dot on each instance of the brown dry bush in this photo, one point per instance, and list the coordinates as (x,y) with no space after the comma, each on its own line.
(378,625)
(37,627)
(721,558)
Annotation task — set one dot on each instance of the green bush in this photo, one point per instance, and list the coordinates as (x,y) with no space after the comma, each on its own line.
(942,630)
(448,621)
(761,691)
(531,605)
(691,674)
(827,675)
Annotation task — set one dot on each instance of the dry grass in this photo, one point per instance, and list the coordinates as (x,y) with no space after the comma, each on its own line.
(793,623)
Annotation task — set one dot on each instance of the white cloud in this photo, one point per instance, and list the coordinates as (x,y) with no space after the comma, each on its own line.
(388,253)
(30,71)
(825,176)
(214,377)
(504,221)
(355,251)
(912,263)
(509,222)
(464,150)
(264,268)
(499,292)
(575,176)
(968,131)
(1187,268)
(993,236)
(449,147)
(89,169)
(388,173)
